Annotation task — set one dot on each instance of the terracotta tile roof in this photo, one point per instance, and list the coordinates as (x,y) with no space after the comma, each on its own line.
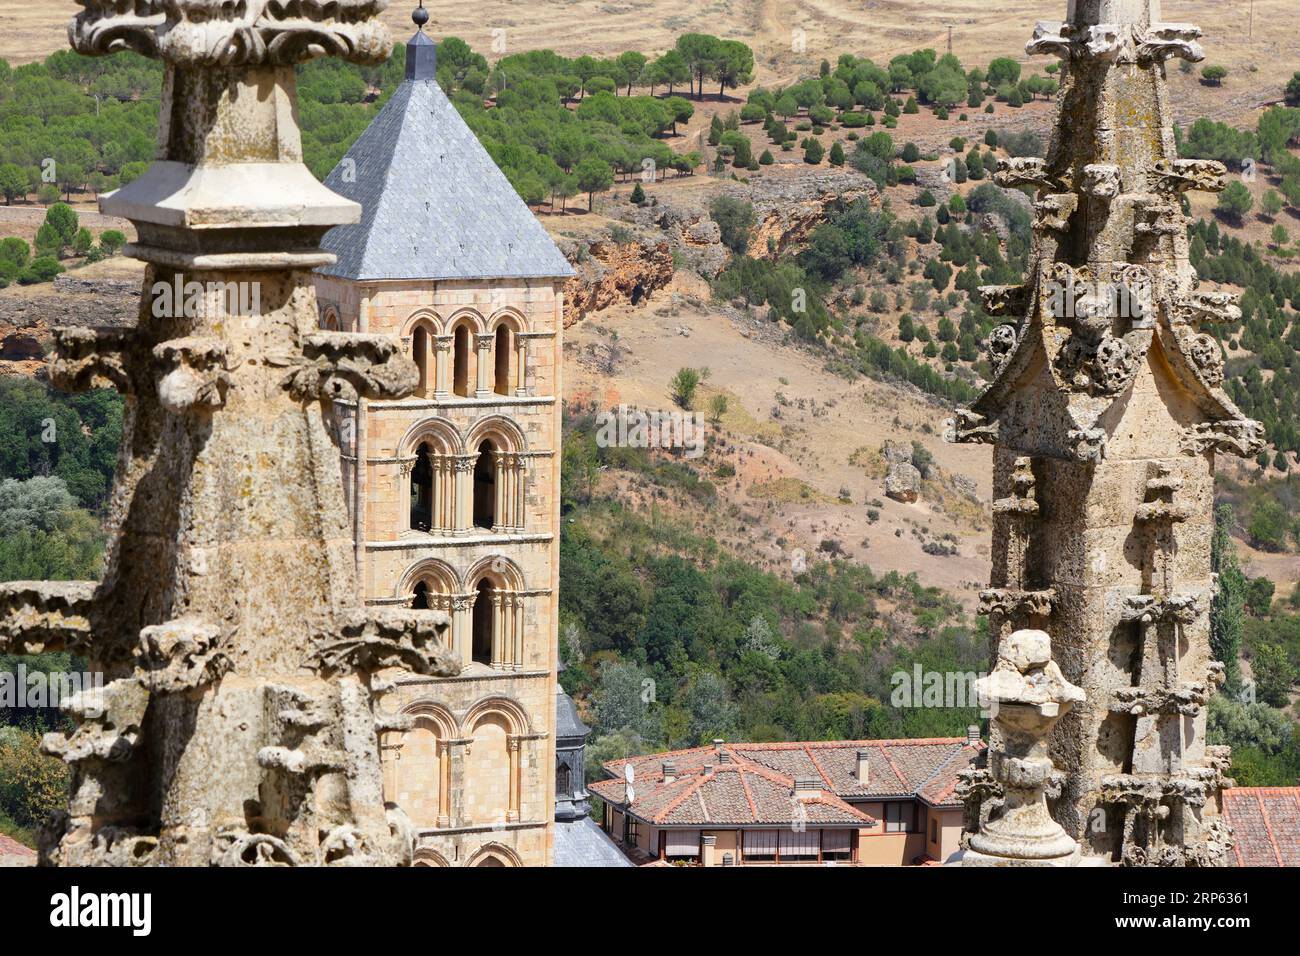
(756,784)
(12,848)
(1265,824)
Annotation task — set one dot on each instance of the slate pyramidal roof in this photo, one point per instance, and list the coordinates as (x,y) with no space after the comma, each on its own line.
(434,204)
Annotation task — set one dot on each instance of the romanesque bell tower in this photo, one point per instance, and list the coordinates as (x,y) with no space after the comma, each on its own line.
(1106,412)
(454,492)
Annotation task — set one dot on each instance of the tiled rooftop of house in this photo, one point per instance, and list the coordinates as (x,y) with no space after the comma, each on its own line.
(753,783)
(13,853)
(1265,824)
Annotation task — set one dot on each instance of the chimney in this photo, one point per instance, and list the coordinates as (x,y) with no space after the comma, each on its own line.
(717,743)
(807,786)
(973,734)
(724,757)
(709,850)
(669,771)
(864,768)
(728,859)
(708,769)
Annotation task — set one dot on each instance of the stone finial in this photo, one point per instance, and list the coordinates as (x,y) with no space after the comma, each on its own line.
(1027,694)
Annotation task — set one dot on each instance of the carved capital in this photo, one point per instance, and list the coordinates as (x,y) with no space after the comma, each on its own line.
(1240,436)
(1163,41)
(971,428)
(194,375)
(1182,175)
(1027,171)
(1102,181)
(1006,300)
(348,365)
(374,640)
(39,617)
(219,33)
(181,655)
(86,359)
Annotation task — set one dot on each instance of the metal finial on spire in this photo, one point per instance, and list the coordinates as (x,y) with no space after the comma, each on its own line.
(420,16)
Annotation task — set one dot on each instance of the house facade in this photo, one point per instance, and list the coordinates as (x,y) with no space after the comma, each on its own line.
(866,803)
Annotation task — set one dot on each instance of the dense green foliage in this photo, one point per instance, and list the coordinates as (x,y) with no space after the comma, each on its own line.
(678,642)
(74,438)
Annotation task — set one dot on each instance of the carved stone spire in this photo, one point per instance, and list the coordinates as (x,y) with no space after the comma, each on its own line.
(238,723)
(1108,396)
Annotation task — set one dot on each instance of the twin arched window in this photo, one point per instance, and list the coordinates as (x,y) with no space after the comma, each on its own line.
(466,364)
(457,493)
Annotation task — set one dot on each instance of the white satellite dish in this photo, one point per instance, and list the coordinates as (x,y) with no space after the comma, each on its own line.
(631,795)
(629,774)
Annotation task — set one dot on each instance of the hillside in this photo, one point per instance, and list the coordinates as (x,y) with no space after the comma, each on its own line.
(790,37)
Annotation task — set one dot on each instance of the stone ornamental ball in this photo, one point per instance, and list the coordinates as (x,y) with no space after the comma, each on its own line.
(420,16)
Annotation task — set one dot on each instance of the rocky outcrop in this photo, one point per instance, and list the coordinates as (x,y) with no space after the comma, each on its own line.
(613,273)
(28,315)
(786,211)
(902,478)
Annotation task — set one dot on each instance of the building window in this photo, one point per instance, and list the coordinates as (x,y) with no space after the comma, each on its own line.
(837,844)
(760,846)
(485,487)
(485,620)
(563,779)
(420,352)
(900,818)
(422,491)
(682,844)
(503,346)
(796,847)
(461,347)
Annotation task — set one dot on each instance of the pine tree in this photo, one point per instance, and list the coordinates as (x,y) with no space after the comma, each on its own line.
(1227,610)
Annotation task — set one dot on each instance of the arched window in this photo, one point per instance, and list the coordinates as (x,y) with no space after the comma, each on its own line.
(485,487)
(503,345)
(422,491)
(485,622)
(421,600)
(420,352)
(462,345)
(563,779)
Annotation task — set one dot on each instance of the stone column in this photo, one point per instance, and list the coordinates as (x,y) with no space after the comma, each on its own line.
(485,366)
(238,724)
(499,609)
(442,381)
(521,366)
(1027,695)
(464,494)
(513,745)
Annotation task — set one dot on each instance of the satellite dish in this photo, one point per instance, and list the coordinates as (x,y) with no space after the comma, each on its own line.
(631,794)
(629,774)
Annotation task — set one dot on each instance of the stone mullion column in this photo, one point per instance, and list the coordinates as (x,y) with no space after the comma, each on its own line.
(521,366)
(462,624)
(518,636)
(458,749)
(498,629)
(521,493)
(501,473)
(435,493)
(513,744)
(430,362)
(464,494)
(442,346)
(485,367)
(444,783)
(404,501)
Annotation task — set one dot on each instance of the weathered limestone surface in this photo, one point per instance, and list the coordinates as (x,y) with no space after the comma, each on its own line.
(1105,414)
(1028,695)
(238,724)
